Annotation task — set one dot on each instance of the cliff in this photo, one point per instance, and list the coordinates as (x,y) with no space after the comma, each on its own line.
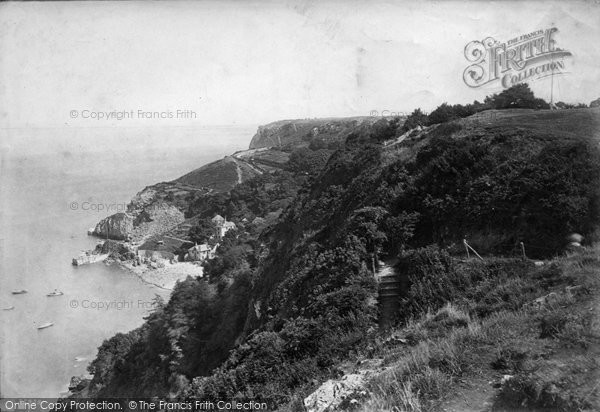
(303,294)
(154,210)
(301,131)
(162,207)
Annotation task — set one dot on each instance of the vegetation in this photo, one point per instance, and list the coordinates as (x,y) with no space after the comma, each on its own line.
(291,294)
(518,96)
(521,348)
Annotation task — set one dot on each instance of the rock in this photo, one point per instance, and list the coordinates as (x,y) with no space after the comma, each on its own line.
(575,238)
(116,249)
(394,340)
(152,211)
(333,392)
(503,381)
(79,383)
(575,290)
(118,226)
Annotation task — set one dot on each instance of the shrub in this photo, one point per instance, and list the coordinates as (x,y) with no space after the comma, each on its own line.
(433,280)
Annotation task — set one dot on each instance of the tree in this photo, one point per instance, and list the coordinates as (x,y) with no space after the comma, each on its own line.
(517,96)
(203,231)
(415,119)
(442,114)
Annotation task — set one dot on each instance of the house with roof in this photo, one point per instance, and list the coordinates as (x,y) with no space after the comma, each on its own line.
(200,252)
(222,225)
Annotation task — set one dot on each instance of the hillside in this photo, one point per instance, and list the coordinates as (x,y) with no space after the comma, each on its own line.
(170,208)
(219,176)
(301,131)
(288,307)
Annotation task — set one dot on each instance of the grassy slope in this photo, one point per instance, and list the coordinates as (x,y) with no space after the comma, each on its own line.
(548,352)
(563,123)
(453,361)
(220,175)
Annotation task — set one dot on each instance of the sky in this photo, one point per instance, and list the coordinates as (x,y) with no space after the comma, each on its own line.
(65,64)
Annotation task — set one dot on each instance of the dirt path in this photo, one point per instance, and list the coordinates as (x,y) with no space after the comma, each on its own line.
(239,170)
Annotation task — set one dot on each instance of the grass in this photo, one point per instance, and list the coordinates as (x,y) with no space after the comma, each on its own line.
(550,353)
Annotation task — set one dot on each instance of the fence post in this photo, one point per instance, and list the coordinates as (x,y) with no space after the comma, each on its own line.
(466,248)
(523,250)
(473,250)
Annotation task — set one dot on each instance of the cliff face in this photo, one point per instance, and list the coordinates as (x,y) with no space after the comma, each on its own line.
(118,226)
(298,132)
(147,214)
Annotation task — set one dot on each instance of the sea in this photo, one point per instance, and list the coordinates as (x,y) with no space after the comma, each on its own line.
(54,185)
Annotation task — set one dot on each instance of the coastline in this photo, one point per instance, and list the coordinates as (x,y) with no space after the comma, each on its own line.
(165,277)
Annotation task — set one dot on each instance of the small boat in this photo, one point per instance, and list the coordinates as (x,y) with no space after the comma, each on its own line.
(8,308)
(45,325)
(55,293)
(19,292)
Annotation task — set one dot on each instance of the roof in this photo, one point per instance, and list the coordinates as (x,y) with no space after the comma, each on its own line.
(200,248)
(218,218)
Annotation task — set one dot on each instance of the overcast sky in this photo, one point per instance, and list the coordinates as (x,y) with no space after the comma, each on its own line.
(253,62)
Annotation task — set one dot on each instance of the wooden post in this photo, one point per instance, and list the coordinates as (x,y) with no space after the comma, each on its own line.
(472,250)
(523,250)
(467,248)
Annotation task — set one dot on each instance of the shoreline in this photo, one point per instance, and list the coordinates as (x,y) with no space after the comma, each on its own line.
(170,274)
(165,277)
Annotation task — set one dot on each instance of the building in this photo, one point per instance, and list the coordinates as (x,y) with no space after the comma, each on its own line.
(222,225)
(155,255)
(200,252)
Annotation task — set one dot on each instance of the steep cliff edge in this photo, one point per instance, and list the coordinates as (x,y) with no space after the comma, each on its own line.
(154,210)
(301,131)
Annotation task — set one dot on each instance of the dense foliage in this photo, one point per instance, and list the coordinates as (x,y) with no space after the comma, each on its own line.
(518,96)
(292,292)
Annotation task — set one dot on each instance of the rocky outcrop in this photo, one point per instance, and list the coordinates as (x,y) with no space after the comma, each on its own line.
(118,226)
(346,392)
(301,131)
(79,387)
(116,250)
(152,211)
(78,383)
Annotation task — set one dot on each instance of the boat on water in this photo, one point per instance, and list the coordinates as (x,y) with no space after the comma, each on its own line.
(19,292)
(89,257)
(45,325)
(8,308)
(55,293)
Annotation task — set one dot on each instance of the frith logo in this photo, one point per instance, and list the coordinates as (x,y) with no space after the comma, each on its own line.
(527,57)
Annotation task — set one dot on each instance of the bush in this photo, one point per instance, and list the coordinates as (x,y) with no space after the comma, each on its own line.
(433,280)
(517,96)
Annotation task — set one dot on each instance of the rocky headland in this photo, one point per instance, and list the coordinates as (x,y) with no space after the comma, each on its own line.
(159,217)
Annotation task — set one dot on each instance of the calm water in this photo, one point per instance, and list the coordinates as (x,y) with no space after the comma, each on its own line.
(40,233)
